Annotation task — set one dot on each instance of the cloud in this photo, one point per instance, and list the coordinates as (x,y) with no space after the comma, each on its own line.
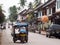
(9,3)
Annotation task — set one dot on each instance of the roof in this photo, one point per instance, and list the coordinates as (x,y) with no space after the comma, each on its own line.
(38,6)
(23,12)
(48,3)
(45,4)
(21,24)
(30,10)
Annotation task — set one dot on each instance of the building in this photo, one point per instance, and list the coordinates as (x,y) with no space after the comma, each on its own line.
(51,8)
(22,15)
(48,8)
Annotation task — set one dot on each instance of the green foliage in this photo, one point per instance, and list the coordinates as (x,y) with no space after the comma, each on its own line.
(18,8)
(13,13)
(30,17)
(22,2)
(36,1)
(2,17)
(30,5)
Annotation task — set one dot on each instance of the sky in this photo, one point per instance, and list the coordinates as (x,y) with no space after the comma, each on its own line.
(9,3)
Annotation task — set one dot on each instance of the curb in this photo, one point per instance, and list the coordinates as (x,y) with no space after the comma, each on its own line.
(43,32)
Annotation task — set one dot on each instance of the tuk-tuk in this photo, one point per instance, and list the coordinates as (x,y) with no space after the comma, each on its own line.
(20,32)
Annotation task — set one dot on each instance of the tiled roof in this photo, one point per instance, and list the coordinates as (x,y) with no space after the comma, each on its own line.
(45,4)
(48,2)
(23,12)
(30,10)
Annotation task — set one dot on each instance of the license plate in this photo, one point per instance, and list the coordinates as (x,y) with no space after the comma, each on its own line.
(22,34)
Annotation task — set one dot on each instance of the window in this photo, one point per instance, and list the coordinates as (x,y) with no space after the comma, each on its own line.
(58,4)
(39,13)
(49,11)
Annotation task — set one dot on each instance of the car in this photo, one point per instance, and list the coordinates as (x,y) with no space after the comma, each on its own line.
(53,30)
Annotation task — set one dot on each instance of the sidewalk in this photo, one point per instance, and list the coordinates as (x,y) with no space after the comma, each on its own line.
(43,32)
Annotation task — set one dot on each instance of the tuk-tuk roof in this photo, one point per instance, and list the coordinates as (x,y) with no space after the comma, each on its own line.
(21,24)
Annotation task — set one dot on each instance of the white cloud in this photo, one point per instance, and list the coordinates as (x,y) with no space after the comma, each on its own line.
(7,4)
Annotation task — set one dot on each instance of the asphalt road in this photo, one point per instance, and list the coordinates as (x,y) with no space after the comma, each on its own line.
(34,39)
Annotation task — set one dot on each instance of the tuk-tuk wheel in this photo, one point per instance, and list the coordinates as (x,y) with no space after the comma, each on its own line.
(14,40)
(22,39)
(26,39)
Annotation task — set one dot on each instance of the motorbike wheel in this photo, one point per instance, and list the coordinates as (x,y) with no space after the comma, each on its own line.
(22,39)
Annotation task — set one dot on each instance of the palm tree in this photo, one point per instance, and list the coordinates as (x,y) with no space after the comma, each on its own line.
(36,1)
(22,2)
(13,13)
(30,5)
(2,16)
(1,8)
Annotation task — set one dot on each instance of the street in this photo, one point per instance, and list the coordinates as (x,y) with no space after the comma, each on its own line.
(34,39)
(40,17)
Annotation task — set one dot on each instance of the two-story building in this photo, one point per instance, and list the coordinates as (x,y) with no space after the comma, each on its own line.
(51,8)
(48,8)
(56,15)
(22,15)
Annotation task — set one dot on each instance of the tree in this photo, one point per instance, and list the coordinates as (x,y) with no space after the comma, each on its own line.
(36,1)
(2,16)
(13,13)
(30,5)
(18,8)
(22,2)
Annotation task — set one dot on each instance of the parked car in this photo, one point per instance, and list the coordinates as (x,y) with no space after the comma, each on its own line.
(53,30)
